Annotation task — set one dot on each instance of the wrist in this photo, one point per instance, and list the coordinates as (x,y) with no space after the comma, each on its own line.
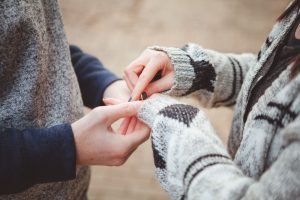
(118,90)
(77,134)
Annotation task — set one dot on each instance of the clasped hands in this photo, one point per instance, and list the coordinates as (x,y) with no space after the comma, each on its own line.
(96,141)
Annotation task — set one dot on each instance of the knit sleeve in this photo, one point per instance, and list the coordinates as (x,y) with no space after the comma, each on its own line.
(214,78)
(192,163)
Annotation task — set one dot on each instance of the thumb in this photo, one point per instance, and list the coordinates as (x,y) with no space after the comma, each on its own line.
(122,110)
(112,101)
(139,136)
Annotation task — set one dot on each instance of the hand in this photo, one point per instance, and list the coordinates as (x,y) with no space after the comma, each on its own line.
(129,123)
(139,74)
(117,90)
(96,141)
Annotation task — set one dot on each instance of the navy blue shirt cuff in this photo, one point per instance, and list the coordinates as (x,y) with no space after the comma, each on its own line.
(33,156)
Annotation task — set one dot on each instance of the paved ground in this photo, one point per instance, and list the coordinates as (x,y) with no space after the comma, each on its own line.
(117,32)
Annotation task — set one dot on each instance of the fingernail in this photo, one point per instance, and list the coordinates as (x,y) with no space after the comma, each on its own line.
(129,99)
(144,96)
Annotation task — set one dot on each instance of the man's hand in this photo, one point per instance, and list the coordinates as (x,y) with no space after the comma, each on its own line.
(117,90)
(96,141)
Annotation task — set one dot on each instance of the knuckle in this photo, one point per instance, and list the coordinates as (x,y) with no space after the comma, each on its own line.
(143,77)
(126,72)
(119,162)
(127,108)
(124,151)
(99,114)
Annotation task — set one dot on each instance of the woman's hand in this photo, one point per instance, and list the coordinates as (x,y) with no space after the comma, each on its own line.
(140,73)
(96,141)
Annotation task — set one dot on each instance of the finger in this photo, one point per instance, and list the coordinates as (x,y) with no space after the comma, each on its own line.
(115,112)
(160,85)
(128,82)
(132,125)
(124,126)
(132,73)
(145,78)
(112,101)
(139,135)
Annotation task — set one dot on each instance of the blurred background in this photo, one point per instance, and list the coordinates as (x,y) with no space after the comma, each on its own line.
(117,31)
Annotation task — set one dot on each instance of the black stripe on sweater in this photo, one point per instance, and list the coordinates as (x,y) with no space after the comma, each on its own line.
(283,108)
(158,159)
(200,159)
(181,112)
(195,175)
(240,68)
(233,84)
(274,122)
(259,55)
(268,42)
(205,76)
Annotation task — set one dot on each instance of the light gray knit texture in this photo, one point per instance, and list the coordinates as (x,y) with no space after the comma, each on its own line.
(38,87)
(263,156)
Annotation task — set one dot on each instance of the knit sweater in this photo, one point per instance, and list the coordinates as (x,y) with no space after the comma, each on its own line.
(38,85)
(263,156)
(39,98)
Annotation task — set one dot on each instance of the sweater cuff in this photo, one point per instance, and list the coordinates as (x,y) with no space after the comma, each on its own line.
(54,157)
(194,73)
(184,71)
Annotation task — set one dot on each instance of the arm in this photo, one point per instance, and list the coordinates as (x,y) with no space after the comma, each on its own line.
(214,77)
(93,77)
(32,156)
(192,163)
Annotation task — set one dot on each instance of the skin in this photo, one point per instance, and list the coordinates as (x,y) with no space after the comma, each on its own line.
(141,71)
(118,90)
(98,144)
(139,74)
(95,140)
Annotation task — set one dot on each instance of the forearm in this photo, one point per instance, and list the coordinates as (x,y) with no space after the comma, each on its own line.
(215,78)
(33,156)
(192,163)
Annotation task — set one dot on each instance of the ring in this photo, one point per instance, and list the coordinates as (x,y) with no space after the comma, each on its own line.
(144,96)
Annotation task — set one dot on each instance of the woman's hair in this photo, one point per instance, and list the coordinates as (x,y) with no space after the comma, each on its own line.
(296,66)
(296,60)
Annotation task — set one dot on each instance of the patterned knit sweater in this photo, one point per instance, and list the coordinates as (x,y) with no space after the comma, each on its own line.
(263,156)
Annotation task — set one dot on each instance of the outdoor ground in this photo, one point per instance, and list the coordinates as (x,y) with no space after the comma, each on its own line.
(117,31)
